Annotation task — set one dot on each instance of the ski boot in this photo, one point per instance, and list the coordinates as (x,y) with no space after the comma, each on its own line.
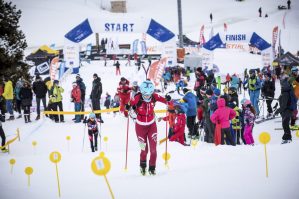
(96,148)
(20,116)
(92,149)
(152,170)
(4,150)
(37,117)
(28,117)
(11,118)
(294,127)
(143,171)
(286,141)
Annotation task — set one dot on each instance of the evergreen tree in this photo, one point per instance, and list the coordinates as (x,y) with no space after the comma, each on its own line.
(12,43)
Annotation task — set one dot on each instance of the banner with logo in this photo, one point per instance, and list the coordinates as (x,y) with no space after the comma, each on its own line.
(54,67)
(71,56)
(156,71)
(274,39)
(169,51)
(135,46)
(202,36)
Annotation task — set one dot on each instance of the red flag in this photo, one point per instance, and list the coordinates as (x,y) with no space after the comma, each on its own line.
(201,35)
(274,38)
(283,20)
(225,27)
(53,67)
(156,71)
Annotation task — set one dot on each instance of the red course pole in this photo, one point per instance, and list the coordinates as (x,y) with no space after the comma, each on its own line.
(127,143)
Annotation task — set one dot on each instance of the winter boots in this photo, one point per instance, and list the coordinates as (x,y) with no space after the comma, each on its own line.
(100,120)
(286,141)
(11,118)
(152,170)
(37,117)
(20,116)
(27,118)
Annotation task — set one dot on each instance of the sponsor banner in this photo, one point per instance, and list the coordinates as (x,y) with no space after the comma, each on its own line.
(274,39)
(169,51)
(237,38)
(266,57)
(143,48)
(54,67)
(207,58)
(42,69)
(61,69)
(201,35)
(71,55)
(156,70)
(135,46)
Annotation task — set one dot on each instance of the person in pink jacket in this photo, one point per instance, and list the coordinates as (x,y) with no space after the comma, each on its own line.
(223,115)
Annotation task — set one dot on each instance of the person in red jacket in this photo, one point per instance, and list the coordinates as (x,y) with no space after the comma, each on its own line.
(223,115)
(124,91)
(76,98)
(177,132)
(146,129)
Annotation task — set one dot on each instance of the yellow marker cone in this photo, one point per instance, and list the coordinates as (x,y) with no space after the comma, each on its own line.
(106,142)
(265,138)
(55,157)
(101,165)
(166,156)
(34,143)
(68,138)
(194,143)
(11,162)
(28,171)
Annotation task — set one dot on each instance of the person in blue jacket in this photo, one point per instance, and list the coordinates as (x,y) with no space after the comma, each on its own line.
(254,86)
(191,100)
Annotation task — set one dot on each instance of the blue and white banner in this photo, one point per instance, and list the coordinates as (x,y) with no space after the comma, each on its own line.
(213,43)
(88,49)
(135,46)
(143,48)
(237,37)
(123,24)
(61,69)
(80,32)
(259,42)
(71,55)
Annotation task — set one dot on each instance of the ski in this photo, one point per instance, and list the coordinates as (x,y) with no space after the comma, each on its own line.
(264,120)
(281,129)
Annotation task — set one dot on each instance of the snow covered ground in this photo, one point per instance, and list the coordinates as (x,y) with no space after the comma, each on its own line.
(205,171)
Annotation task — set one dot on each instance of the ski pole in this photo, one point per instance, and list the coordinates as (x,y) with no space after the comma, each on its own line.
(83,137)
(127,143)
(166,140)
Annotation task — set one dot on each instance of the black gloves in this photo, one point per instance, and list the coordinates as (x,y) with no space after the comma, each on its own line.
(128,107)
(167,97)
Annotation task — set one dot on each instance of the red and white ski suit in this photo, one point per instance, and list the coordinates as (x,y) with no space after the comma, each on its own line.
(145,127)
(124,91)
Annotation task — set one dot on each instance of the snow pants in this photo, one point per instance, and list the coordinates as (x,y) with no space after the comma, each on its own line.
(179,136)
(226,132)
(209,129)
(254,98)
(93,138)
(248,134)
(147,138)
(122,103)
(191,124)
(286,126)
(96,106)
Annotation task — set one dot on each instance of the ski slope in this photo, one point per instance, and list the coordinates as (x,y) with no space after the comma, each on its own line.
(204,171)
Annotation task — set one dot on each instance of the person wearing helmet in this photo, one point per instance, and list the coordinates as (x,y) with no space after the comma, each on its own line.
(223,115)
(124,92)
(287,104)
(56,99)
(93,131)
(254,85)
(95,95)
(249,117)
(146,129)
(135,89)
(268,91)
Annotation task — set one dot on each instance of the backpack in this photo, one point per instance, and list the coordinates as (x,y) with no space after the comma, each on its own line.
(292,101)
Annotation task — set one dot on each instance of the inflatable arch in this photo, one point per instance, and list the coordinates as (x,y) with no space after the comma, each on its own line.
(120,24)
(253,39)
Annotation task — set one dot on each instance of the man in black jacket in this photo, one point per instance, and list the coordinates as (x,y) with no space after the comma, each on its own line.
(268,90)
(95,95)
(40,90)
(82,86)
(284,109)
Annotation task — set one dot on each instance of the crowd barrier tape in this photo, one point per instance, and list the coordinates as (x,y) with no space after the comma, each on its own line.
(11,141)
(87,112)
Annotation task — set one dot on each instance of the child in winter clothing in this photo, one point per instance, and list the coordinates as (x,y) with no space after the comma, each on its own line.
(107,101)
(222,115)
(92,131)
(76,98)
(177,122)
(249,117)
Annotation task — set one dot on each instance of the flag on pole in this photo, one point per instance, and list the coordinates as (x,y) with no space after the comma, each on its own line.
(274,39)
(201,35)
(283,20)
